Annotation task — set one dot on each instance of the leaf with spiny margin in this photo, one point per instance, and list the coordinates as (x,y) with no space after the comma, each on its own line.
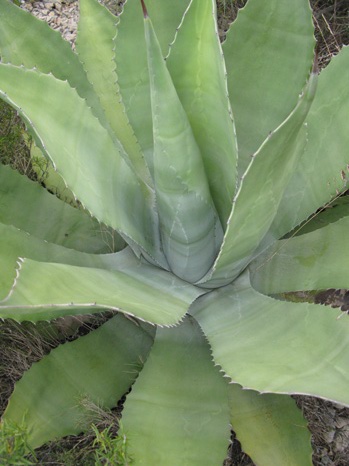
(84,154)
(189,223)
(92,372)
(276,346)
(182,400)
(45,290)
(15,243)
(29,207)
(199,75)
(44,50)
(48,177)
(270,428)
(330,213)
(259,194)
(315,261)
(131,61)
(268,51)
(95,47)
(323,168)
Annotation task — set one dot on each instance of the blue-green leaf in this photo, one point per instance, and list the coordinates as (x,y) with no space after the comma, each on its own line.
(93,371)
(177,412)
(188,219)
(200,80)
(276,346)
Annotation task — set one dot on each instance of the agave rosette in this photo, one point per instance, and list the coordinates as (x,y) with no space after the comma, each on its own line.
(196,159)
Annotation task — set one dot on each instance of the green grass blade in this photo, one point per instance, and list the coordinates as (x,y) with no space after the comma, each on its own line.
(177,412)
(131,61)
(276,346)
(260,192)
(29,207)
(268,52)
(95,370)
(188,220)
(199,75)
(95,47)
(323,168)
(82,150)
(45,290)
(314,261)
(270,428)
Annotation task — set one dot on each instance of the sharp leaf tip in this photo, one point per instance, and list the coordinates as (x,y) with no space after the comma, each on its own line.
(145,12)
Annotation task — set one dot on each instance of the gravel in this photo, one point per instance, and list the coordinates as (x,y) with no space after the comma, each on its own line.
(60,15)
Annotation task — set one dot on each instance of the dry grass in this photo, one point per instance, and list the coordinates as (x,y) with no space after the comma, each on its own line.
(14,149)
(20,346)
(331,20)
(329,425)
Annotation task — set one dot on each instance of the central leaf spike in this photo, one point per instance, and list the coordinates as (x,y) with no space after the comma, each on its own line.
(145,12)
(189,224)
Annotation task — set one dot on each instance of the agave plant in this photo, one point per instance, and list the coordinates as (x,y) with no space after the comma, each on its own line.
(191,164)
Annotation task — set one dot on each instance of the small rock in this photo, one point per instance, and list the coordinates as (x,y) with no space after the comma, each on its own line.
(329,436)
(69,37)
(341,440)
(342,422)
